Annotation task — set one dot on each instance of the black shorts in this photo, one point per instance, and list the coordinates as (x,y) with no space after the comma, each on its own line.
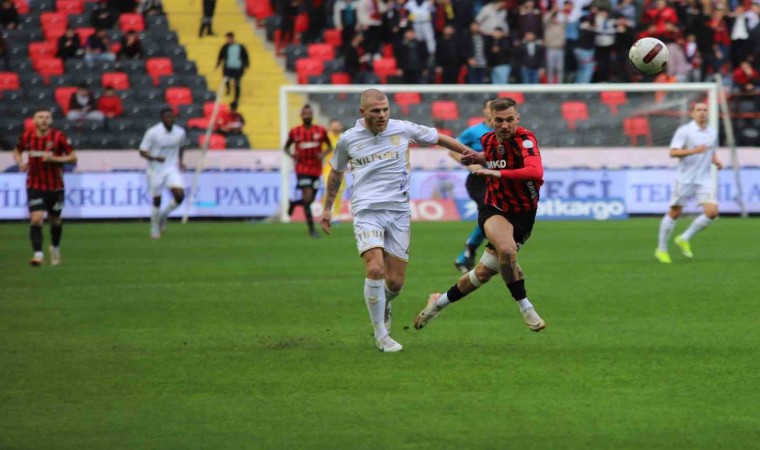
(476,188)
(307,181)
(522,222)
(232,73)
(50,201)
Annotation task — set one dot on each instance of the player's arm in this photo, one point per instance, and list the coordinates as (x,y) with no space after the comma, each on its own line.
(717,161)
(145,148)
(334,180)
(327,148)
(467,155)
(532,170)
(69,155)
(286,148)
(22,166)
(678,145)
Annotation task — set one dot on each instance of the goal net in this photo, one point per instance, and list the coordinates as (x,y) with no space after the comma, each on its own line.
(594,126)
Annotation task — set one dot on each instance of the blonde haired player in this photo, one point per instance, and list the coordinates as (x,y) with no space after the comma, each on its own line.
(694,145)
(334,131)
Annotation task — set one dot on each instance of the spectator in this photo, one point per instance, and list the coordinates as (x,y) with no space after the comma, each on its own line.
(721,39)
(691,53)
(151,8)
(69,45)
(102,17)
(370,16)
(492,16)
(345,20)
(231,122)
(98,47)
(354,56)
(448,56)
(317,13)
(500,55)
(122,6)
(5,62)
(208,16)
(659,15)
(740,43)
(554,41)
(421,15)
(531,55)
(626,11)
(584,51)
(289,13)
(529,20)
(233,58)
(395,22)
(746,78)
(412,57)
(678,66)
(604,40)
(110,104)
(82,106)
(131,47)
(475,52)
(8,15)
(624,39)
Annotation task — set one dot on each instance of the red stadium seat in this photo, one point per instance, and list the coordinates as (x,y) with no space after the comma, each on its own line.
(302,23)
(516,96)
(84,33)
(324,52)
(404,99)
(633,127)
(307,67)
(29,124)
(47,67)
(63,97)
(131,22)
(116,80)
(444,110)
(176,96)
(198,123)
(260,9)
(70,6)
(388,51)
(217,141)
(573,112)
(42,49)
(472,121)
(340,78)
(208,108)
(9,81)
(385,67)
(613,99)
(159,66)
(22,6)
(332,37)
(446,132)
(53,31)
(49,17)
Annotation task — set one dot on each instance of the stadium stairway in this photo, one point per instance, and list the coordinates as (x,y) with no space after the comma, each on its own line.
(261,83)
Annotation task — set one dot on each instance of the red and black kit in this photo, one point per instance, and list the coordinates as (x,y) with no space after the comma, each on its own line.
(308,143)
(44,180)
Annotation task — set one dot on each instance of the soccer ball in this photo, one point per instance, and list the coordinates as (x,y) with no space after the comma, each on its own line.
(648,55)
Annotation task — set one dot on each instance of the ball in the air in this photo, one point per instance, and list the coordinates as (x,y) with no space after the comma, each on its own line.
(648,55)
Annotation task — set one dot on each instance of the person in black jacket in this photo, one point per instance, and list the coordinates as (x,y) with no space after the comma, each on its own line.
(499,53)
(233,58)
(531,55)
(412,58)
(448,56)
(69,45)
(208,16)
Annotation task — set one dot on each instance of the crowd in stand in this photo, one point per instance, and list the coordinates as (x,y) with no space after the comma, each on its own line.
(530,41)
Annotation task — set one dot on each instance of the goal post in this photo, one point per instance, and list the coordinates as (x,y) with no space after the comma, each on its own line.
(573,116)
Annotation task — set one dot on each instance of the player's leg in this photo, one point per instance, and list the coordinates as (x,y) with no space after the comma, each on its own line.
(396,256)
(155,185)
(707,198)
(308,197)
(679,198)
(177,187)
(465,261)
(56,226)
(501,234)
(36,204)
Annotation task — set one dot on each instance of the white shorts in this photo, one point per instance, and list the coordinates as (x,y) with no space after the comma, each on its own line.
(683,192)
(389,230)
(165,178)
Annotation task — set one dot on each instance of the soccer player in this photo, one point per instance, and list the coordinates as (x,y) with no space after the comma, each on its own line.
(309,140)
(377,148)
(694,145)
(334,130)
(476,187)
(514,175)
(48,149)
(163,146)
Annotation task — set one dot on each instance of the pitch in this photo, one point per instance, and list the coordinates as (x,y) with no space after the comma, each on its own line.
(231,335)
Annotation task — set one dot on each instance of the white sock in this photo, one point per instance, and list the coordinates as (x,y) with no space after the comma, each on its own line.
(389,294)
(155,216)
(169,208)
(442,301)
(374,296)
(39,255)
(666,229)
(524,304)
(699,224)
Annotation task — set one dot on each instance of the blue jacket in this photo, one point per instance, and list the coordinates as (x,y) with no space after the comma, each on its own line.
(471,136)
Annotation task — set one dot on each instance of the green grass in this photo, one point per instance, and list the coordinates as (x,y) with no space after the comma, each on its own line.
(231,335)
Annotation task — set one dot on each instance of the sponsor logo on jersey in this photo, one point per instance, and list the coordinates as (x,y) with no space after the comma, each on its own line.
(500,164)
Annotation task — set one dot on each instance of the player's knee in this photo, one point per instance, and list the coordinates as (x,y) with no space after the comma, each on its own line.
(394,285)
(507,254)
(179,197)
(483,273)
(55,220)
(712,213)
(375,271)
(36,221)
(156,201)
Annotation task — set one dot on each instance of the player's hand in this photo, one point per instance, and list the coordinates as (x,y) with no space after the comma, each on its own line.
(718,164)
(23,167)
(488,173)
(182,167)
(474,168)
(159,158)
(326,220)
(472,157)
(47,157)
(699,149)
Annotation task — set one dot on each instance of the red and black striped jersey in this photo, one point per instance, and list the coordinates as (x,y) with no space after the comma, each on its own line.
(308,142)
(517,190)
(42,175)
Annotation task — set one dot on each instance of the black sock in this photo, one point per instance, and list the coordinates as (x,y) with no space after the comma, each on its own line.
(517,289)
(309,218)
(454,294)
(35,234)
(55,233)
(293,205)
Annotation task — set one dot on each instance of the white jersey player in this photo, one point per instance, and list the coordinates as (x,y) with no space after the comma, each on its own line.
(694,144)
(377,149)
(162,146)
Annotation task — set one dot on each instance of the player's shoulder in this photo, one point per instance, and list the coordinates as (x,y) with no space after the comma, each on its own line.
(487,136)
(524,133)
(180,128)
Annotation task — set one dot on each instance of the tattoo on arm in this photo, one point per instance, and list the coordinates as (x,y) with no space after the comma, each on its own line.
(333,184)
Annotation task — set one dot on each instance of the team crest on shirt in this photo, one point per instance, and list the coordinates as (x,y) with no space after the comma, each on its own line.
(500,149)
(316,136)
(49,146)
(395,140)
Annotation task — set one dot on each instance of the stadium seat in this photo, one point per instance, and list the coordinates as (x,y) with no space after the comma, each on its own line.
(22,6)
(388,51)
(28,124)
(53,31)
(42,49)
(116,80)
(131,22)
(70,6)
(63,97)
(48,66)
(306,67)
(516,96)
(292,54)
(573,112)
(9,81)
(302,23)
(332,37)
(176,96)
(157,67)
(84,33)
(48,18)
(340,78)
(208,108)
(472,121)
(198,123)
(613,99)
(217,141)
(325,52)
(633,127)
(384,67)
(445,110)
(404,99)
